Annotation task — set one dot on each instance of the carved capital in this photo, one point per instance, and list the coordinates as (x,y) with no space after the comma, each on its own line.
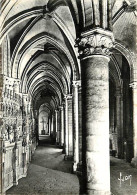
(133,85)
(67,96)
(11,81)
(76,83)
(61,107)
(95,42)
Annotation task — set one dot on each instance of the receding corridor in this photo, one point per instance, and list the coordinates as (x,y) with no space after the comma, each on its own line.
(48,173)
(68,97)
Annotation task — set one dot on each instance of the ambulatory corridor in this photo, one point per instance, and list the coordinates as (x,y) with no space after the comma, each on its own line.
(68,75)
(49,173)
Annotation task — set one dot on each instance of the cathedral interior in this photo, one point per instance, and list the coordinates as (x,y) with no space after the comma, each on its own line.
(68,75)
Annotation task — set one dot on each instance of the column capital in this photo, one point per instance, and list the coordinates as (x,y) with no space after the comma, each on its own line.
(76,83)
(61,107)
(133,85)
(95,42)
(11,81)
(67,96)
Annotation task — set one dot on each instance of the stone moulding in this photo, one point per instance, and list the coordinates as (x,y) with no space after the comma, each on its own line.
(133,85)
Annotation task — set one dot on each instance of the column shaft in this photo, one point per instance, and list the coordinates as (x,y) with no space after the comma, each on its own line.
(59,127)
(49,125)
(134,160)
(62,127)
(95,96)
(135,120)
(112,115)
(52,121)
(118,124)
(66,126)
(76,125)
(70,128)
(56,116)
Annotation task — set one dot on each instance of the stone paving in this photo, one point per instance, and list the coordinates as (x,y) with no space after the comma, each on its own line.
(48,173)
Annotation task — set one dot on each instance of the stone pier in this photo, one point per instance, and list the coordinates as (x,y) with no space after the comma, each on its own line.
(134,89)
(66,126)
(62,126)
(76,85)
(94,53)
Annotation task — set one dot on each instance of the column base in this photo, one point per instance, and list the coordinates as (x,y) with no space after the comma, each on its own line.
(43,132)
(15,183)
(79,169)
(61,147)
(98,192)
(67,157)
(134,162)
(75,167)
(63,151)
(24,174)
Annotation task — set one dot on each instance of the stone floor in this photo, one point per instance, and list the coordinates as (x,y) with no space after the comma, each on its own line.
(48,173)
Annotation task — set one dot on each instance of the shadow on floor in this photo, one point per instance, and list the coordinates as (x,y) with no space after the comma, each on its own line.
(50,156)
(48,173)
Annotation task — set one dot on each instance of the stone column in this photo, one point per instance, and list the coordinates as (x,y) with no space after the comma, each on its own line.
(59,127)
(52,124)
(62,126)
(70,128)
(94,52)
(119,129)
(112,115)
(76,85)
(66,141)
(134,89)
(54,127)
(66,125)
(49,125)
(80,129)
(56,117)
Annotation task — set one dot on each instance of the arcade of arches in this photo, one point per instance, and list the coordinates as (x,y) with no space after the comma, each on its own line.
(68,70)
